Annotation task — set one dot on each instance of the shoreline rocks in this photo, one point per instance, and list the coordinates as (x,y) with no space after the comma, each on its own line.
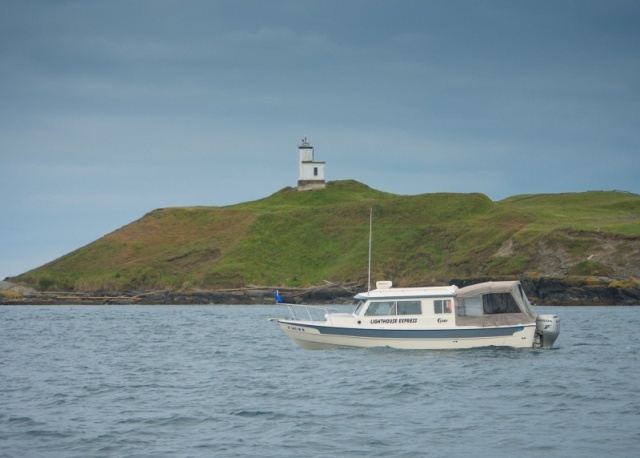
(568,291)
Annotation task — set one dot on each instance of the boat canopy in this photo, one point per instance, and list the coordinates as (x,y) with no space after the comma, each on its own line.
(499,303)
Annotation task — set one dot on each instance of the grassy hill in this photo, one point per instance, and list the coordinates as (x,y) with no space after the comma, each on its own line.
(294,238)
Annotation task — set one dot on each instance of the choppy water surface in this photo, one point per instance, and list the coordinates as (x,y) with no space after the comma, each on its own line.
(223,381)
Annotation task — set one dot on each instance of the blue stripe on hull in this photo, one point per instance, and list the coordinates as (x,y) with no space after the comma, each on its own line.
(461,333)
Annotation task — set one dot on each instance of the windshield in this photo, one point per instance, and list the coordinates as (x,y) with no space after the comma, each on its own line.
(359,305)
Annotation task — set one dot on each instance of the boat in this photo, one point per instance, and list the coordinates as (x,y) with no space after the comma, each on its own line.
(436,317)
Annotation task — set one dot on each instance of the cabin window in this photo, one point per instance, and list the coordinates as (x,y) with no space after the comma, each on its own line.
(470,306)
(409,308)
(379,308)
(487,304)
(358,307)
(442,306)
(499,303)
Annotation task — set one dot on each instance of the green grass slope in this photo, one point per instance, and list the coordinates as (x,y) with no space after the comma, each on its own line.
(294,238)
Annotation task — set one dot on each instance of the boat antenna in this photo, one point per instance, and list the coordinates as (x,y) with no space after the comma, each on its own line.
(370,225)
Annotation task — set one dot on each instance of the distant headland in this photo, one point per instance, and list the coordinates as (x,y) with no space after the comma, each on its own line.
(571,248)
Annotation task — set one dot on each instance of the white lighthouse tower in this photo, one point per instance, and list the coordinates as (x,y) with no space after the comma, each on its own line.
(311,172)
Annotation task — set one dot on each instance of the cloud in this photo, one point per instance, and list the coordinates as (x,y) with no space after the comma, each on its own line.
(111,109)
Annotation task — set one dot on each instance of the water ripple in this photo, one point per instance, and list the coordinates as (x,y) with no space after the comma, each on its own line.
(202,381)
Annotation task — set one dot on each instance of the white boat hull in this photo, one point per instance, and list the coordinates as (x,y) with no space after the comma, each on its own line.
(314,336)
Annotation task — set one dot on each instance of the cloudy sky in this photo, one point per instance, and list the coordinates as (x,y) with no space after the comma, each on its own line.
(110,109)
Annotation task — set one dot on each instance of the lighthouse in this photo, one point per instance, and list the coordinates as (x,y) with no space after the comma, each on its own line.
(311,172)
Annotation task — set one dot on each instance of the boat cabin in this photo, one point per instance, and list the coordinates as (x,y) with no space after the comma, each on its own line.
(483,305)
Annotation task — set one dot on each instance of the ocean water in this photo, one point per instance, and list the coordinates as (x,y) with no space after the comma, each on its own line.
(223,381)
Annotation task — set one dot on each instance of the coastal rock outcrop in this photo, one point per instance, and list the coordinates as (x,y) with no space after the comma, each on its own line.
(540,290)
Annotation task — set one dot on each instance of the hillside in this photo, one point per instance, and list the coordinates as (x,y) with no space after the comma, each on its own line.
(295,239)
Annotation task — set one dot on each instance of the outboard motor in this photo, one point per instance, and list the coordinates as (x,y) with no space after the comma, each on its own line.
(547,330)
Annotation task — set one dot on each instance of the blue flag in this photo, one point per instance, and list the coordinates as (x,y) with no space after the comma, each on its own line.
(278,298)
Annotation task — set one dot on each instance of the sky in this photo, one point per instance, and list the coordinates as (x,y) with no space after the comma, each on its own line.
(111,109)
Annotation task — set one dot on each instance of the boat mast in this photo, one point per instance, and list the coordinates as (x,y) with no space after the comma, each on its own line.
(370,224)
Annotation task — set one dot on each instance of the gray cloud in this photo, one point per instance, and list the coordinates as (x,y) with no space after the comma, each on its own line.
(111,109)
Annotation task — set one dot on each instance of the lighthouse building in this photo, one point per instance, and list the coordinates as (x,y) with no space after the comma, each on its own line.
(311,172)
